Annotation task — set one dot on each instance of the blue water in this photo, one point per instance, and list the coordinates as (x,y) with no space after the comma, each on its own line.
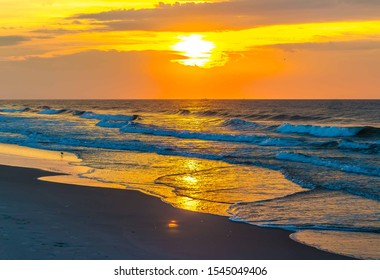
(330,148)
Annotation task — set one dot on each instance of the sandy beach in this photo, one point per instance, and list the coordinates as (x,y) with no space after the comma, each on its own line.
(44,220)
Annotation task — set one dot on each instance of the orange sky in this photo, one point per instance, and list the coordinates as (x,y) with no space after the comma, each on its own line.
(189,49)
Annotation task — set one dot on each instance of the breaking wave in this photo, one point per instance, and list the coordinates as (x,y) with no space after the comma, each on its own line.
(52,111)
(331,163)
(320,131)
(108,117)
(240,124)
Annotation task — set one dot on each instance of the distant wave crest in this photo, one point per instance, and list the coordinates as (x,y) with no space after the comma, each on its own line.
(184,112)
(108,117)
(10,110)
(352,145)
(240,124)
(133,127)
(320,131)
(52,111)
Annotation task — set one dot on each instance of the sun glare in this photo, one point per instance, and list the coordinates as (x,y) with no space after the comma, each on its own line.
(196,50)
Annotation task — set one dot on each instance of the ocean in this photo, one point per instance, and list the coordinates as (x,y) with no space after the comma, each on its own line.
(308,166)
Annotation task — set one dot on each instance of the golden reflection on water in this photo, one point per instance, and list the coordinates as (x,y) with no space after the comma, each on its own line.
(188,203)
(197,205)
(192,164)
(195,184)
(214,189)
(190,180)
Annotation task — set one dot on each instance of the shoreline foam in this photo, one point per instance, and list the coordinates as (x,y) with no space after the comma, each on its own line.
(68,165)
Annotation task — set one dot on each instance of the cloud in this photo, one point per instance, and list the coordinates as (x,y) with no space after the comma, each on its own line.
(56,31)
(233,15)
(12,40)
(358,45)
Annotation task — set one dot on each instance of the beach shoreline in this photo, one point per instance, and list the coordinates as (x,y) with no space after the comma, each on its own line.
(46,220)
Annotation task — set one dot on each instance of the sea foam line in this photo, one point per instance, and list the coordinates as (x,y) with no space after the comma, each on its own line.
(331,163)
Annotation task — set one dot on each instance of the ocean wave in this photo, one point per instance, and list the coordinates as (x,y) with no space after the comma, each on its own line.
(260,140)
(78,112)
(8,110)
(284,117)
(111,124)
(77,144)
(240,124)
(259,116)
(335,210)
(281,142)
(370,131)
(330,163)
(320,131)
(52,111)
(211,113)
(344,144)
(132,127)
(5,120)
(184,112)
(108,117)
(352,145)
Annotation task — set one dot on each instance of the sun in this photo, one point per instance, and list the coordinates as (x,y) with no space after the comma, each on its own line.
(197,51)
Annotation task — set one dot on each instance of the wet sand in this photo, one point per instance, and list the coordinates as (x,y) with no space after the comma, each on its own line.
(44,220)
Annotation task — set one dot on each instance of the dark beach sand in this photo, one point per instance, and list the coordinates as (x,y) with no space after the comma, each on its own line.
(43,220)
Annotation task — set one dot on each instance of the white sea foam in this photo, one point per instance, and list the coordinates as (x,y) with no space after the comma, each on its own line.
(240,124)
(281,142)
(319,131)
(345,144)
(111,124)
(331,163)
(316,209)
(6,110)
(107,117)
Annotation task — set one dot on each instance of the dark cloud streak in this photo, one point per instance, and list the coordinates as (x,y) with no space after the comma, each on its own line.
(12,40)
(358,45)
